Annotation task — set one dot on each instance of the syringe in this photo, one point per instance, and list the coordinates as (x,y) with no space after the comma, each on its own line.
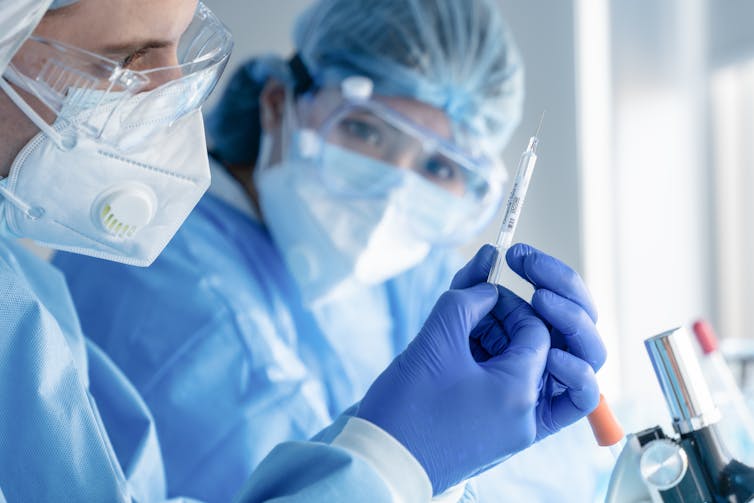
(515,203)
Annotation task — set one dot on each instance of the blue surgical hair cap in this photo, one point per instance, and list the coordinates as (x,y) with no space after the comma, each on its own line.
(456,55)
(56,4)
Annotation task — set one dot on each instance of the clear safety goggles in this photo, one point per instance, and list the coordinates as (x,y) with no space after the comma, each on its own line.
(89,90)
(447,191)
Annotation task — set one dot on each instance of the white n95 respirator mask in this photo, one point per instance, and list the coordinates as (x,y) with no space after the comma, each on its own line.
(122,200)
(125,161)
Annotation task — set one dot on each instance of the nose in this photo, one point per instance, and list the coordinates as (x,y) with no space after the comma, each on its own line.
(405,156)
(403,160)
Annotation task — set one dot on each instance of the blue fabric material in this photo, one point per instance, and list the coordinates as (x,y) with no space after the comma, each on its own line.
(215,338)
(72,428)
(55,444)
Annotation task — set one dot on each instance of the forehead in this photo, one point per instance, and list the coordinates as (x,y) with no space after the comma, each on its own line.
(420,113)
(93,24)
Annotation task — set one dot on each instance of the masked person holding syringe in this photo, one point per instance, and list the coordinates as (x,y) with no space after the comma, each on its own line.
(340,177)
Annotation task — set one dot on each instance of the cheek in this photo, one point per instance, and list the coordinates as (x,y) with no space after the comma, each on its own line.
(270,153)
(8,108)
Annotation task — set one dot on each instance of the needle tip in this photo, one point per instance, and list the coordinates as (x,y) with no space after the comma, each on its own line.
(539,127)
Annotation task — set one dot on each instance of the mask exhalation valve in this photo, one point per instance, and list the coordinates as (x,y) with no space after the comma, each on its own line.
(124,210)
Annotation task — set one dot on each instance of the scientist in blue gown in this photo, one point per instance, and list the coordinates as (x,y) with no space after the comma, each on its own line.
(94,114)
(341,179)
(99,112)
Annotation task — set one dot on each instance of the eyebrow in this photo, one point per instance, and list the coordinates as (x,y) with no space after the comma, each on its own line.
(131,47)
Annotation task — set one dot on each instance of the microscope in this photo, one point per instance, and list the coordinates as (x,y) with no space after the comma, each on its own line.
(691,464)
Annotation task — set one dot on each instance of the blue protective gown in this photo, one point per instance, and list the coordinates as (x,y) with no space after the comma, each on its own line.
(215,338)
(73,428)
(54,443)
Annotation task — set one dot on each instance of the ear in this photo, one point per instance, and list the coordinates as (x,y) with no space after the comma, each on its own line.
(272,105)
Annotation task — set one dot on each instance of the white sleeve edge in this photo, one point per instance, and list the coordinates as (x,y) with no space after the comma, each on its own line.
(451,495)
(406,479)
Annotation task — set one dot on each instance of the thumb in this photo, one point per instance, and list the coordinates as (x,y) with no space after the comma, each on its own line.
(477,269)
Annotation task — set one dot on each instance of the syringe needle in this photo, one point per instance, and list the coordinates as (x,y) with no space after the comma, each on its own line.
(539,127)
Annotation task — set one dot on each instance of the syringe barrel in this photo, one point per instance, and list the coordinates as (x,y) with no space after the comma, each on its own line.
(516,200)
(513,208)
(496,273)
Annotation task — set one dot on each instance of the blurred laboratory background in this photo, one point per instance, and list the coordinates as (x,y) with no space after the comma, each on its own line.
(643,181)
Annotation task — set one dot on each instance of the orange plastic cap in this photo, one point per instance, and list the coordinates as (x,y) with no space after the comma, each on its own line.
(606,428)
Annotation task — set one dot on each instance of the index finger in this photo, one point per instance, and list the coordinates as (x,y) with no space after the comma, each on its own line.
(545,271)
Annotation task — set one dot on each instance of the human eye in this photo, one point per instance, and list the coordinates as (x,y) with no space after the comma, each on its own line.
(444,173)
(441,169)
(362,131)
(132,58)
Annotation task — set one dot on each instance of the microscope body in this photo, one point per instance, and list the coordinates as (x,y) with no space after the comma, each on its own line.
(693,465)
(656,468)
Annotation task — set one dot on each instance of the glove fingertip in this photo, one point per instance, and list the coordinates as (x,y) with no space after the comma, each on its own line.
(484,258)
(487,290)
(519,257)
(487,249)
(516,253)
(477,269)
(544,296)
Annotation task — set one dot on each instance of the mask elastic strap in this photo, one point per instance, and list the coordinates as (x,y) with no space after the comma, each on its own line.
(289,120)
(32,114)
(30,211)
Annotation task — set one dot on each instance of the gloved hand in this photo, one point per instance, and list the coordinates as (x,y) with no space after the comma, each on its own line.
(561,299)
(456,415)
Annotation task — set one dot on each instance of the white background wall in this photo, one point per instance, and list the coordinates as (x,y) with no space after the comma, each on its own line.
(258,27)
(660,179)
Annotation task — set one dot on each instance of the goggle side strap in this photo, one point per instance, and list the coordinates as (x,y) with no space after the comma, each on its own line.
(32,114)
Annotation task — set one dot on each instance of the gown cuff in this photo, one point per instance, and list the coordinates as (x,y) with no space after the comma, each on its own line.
(451,495)
(407,480)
